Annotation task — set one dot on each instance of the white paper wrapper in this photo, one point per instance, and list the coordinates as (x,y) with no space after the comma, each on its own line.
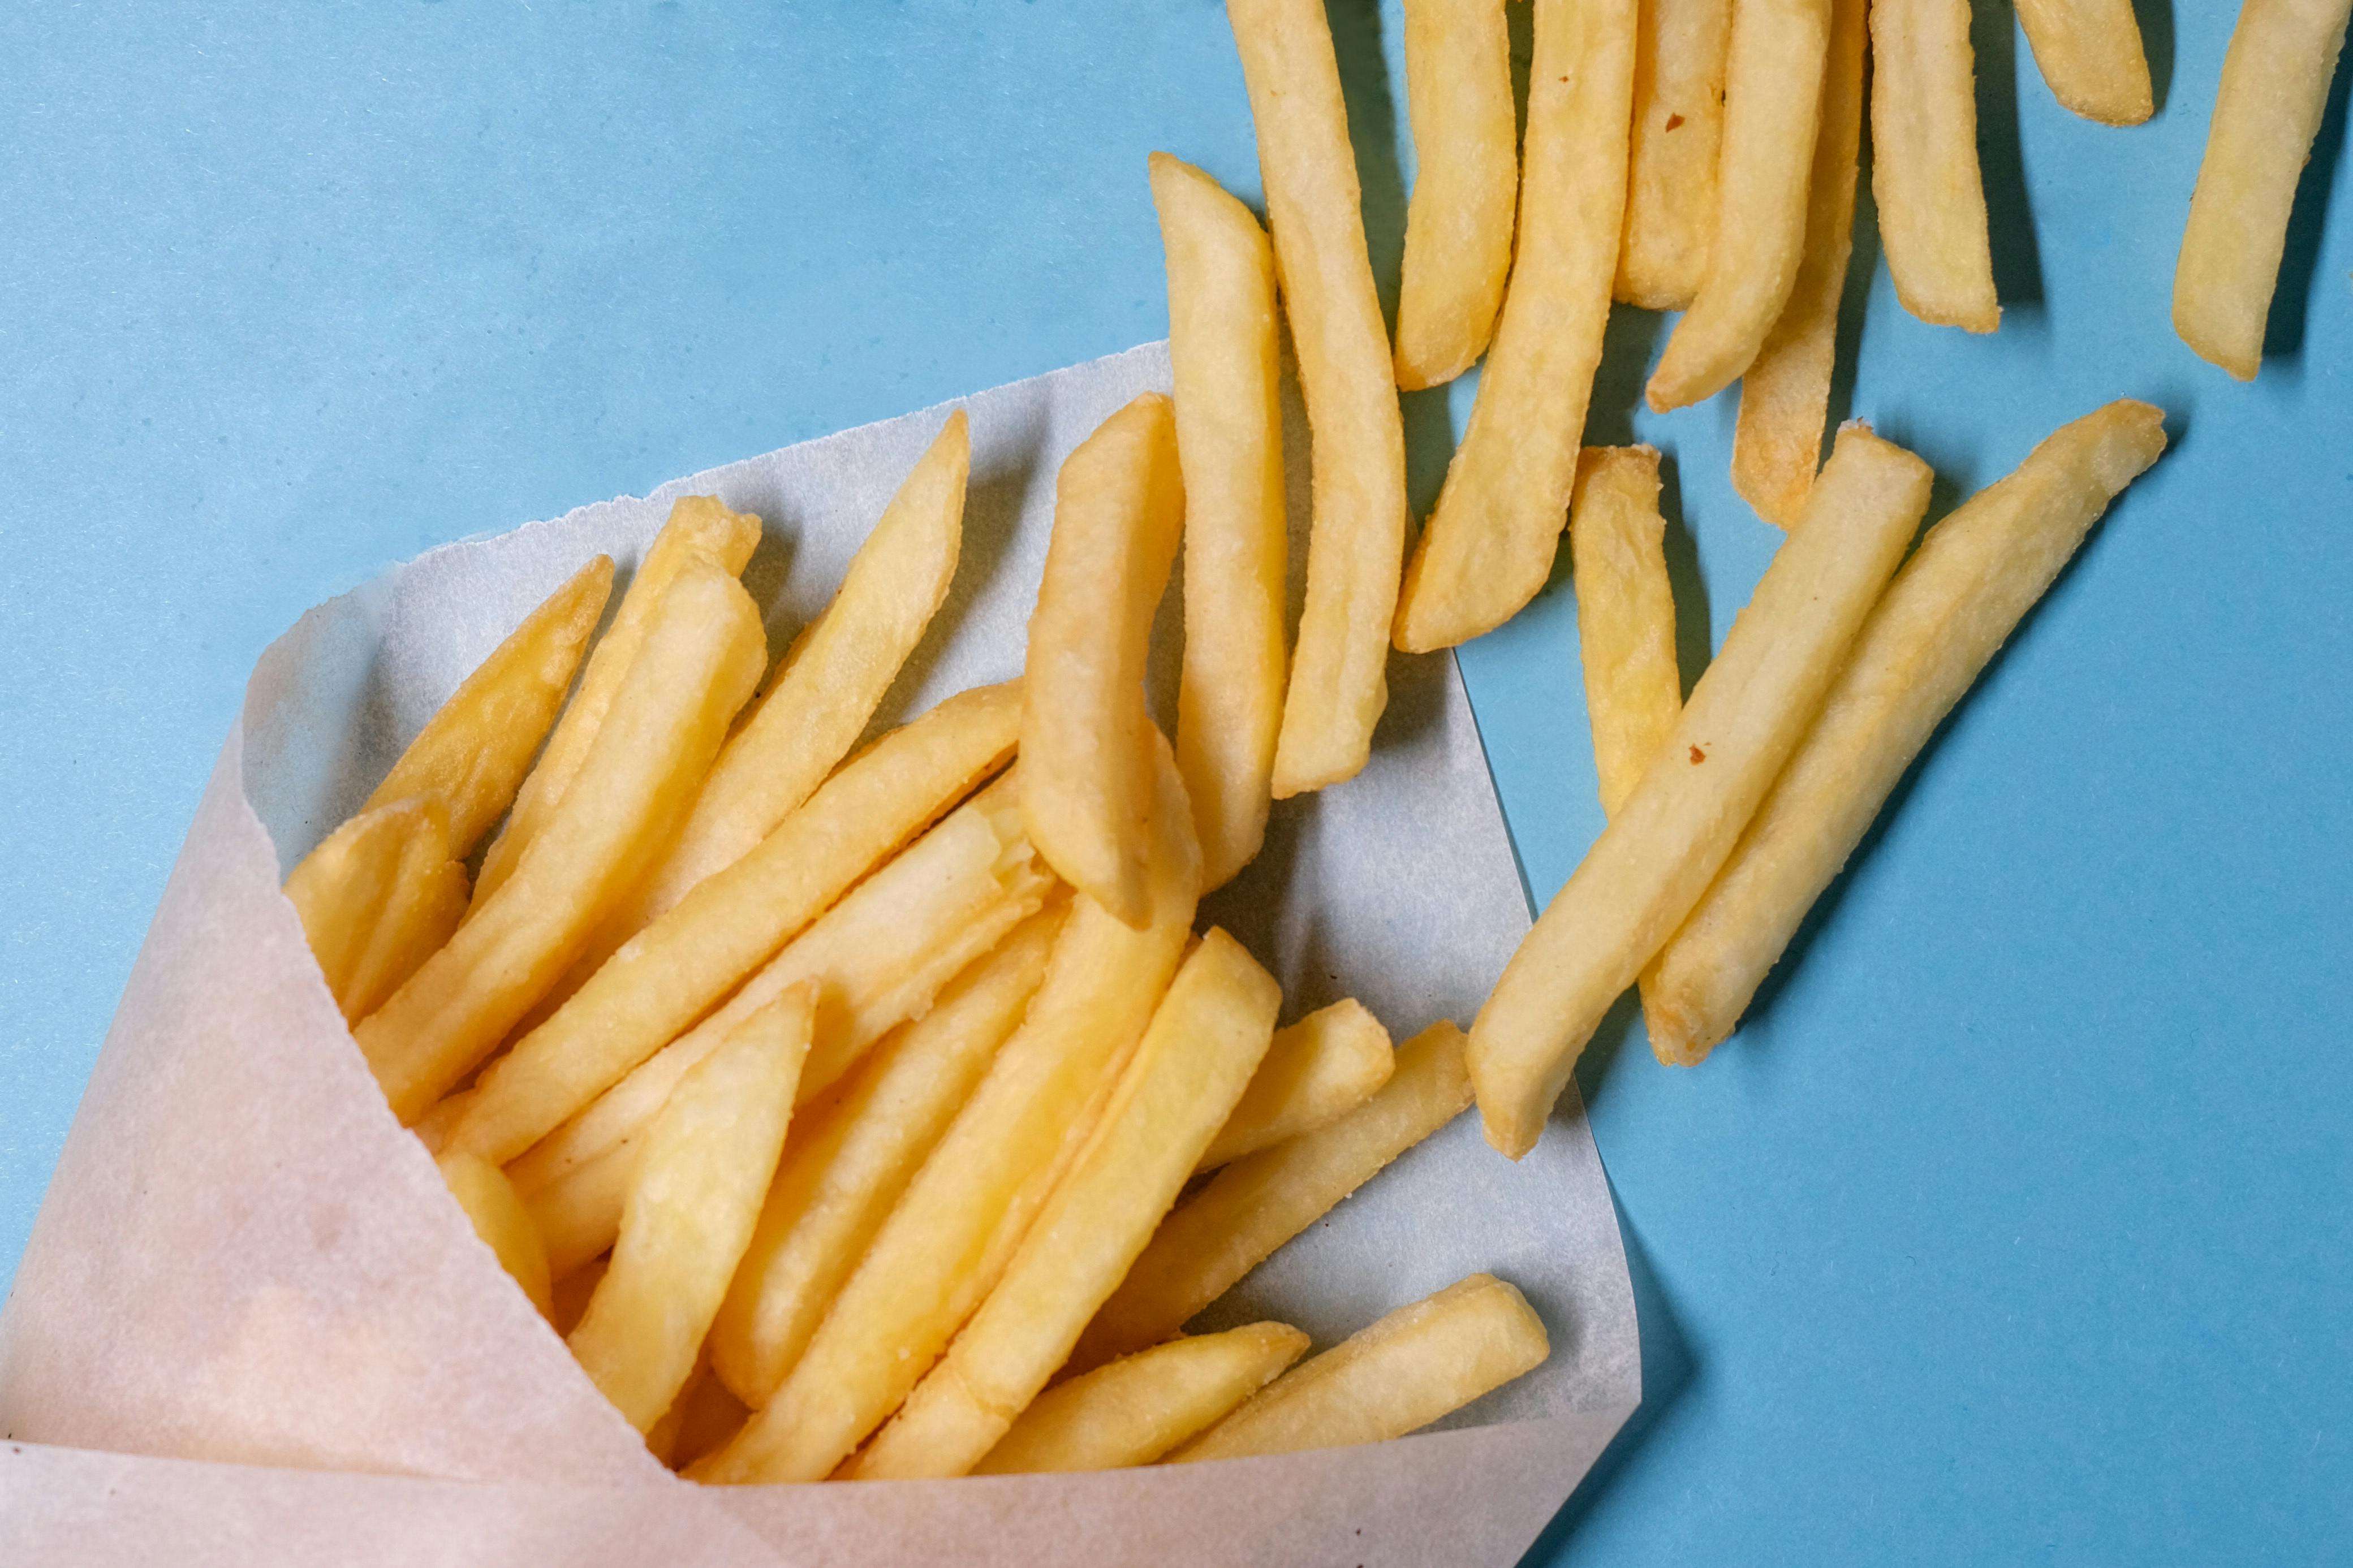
(246,1276)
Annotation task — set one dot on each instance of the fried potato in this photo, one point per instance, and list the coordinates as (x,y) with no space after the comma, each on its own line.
(1457,225)
(1784,395)
(1205,1041)
(1086,738)
(670,974)
(1137,1408)
(1490,542)
(1942,620)
(377,899)
(1339,662)
(1221,345)
(502,1223)
(1262,1200)
(1924,162)
(1678,127)
(1413,1366)
(2266,114)
(579,1213)
(700,529)
(1772,108)
(947,1242)
(1658,855)
(707,1164)
(1625,615)
(702,654)
(1315,1072)
(2089,51)
(849,1163)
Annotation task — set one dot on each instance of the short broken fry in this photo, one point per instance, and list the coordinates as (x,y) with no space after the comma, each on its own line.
(1139,1407)
(1625,615)
(1458,225)
(1315,1072)
(2090,54)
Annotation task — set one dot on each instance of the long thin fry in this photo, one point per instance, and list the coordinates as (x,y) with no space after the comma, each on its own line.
(1490,543)
(377,899)
(2090,53)
(1678,129)
(1657,856)
(1315,1072)
(1625,615)
(1943,618)
(499,1218)
(1339,666)
(1458,226)
(1924,162)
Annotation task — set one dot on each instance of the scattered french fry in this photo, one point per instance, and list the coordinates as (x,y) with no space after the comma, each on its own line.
(1339,663)
(1490,542)
(1315,1071)
(377,899)
(1262,1201)
(696,1192)
(1419,1364)
(1772,108)
(1086,738)
(2275,90)
(1658,853)
(1625,615)
(1923,170)
(1205,1041)
(1221,346)
(2090,53)
(502,1223)
(1678,129)
(1942,620)
(1457,225)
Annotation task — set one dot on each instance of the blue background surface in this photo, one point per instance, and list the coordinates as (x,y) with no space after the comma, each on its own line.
(2016,1224)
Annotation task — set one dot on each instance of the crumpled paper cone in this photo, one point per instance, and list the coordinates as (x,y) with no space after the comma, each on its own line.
(251,1327)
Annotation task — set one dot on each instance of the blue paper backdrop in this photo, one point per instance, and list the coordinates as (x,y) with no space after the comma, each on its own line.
(2014,1226)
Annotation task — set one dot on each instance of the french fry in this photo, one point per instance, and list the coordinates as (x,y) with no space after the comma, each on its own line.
(1772,108)
(1086,738)
(2090,54)
(1221,345)
(1977,574)
(1924,162)
(700,530)
(947,1242)
(696,1192)
(1413,1366)
(1660,851)
(1625,615)
(1205,1041)
(703,654)
(1339,662)
(1678,129)
(1458,226)
(849,1165)
(502,1223)
(1262,1200)
(1315,1071)
(1784,395)
(473,755)
(1490,542)
(1137,1408)
(670,974)
(2266,114)
(377,898)
(579,1213)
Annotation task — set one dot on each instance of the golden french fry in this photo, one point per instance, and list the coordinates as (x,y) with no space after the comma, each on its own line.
(2090,53)
(579,1213)
(1977,574)
(1924,162)
(1137,1408)
(1221,345)
(1262,1200)
(700,530)
(1339,663)
(670,974)
(1772,108)
(843,1172)
(1086,738)
(1490,542)
(1625,615)
(1678,127)
(1414,1365)
(473,755)
(502,1223)
(2268,110)
(703,654)
(707,1164)
(376,899)
(1658,853)
(947,1242)
(1784,395)
(1315,1072)
(1458,226)
(1205,1041)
